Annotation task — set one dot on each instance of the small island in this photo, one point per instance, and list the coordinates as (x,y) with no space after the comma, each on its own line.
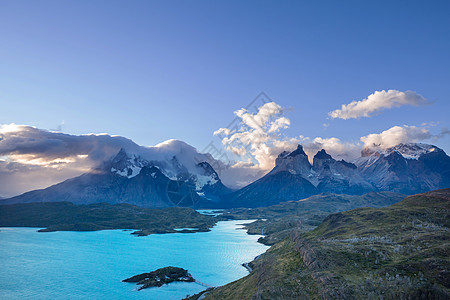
(160,277)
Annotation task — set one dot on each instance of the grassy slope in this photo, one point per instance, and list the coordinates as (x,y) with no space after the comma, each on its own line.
(305,214)
(401,251)
(57,216)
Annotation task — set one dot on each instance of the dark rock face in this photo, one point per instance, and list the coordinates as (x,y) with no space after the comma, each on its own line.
(294,178)
(160,277)
(338,176)
(271,189)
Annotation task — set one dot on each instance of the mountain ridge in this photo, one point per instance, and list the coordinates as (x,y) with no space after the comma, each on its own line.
(130,178)
(175,174)
(405,168)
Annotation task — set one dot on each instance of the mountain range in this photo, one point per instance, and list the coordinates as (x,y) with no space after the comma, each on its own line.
(175,174)
(405,168)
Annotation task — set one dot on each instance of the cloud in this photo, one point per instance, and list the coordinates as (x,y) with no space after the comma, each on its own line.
(257,141)
(28,142)
(396,135)
(32,158)
(258,137)
(377,102)
(335,147)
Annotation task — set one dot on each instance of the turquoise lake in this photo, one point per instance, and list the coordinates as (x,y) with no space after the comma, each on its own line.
(91,265)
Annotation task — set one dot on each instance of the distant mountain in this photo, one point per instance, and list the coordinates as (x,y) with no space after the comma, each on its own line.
(406,168)
(294,178)
(175,174)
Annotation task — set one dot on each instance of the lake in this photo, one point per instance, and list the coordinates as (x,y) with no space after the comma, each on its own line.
(82,265)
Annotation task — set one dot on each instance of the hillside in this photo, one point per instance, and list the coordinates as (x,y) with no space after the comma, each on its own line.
(401,251)
(277,221)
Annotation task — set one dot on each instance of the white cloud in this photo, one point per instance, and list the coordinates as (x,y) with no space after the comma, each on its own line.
(396,135)
(335,147)
(377,102)
(258,135)
(34,158)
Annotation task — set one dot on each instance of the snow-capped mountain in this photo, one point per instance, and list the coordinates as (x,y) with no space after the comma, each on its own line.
(170,174)
(406,168)
(408,151)
(294,178)
(176,160)
(173,173)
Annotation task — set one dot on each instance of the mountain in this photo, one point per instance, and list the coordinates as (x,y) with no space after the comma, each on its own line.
(294,178)
(171,174)
(287,181)
(338,176)
(397,252)
(406,168)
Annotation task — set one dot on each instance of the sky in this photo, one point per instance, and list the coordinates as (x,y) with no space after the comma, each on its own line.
(151,71)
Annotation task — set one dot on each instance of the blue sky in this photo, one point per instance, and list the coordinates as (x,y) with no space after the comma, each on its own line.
(155,70)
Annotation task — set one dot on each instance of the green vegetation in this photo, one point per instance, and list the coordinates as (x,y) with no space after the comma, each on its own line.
(160,277)
(277,221)
(275,275)
(401,251)
(65,216)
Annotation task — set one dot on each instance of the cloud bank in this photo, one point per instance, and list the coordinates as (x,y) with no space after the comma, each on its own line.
(32,158)
(376,102)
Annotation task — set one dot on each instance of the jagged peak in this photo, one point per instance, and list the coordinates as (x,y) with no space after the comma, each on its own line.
(298,151)
(120,155)
(348,164)
(407,150)
(322,154)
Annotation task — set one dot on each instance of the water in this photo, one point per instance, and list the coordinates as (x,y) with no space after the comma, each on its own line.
(91,265)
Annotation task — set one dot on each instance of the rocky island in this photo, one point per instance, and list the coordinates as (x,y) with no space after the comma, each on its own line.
(160,277)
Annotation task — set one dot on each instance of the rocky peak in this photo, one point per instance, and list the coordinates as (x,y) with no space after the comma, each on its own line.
(295,162)
(412,150)
(286,155)
(322,160)
(208,170)
(407,150)
(126,165)
(298,151)
(322,154)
